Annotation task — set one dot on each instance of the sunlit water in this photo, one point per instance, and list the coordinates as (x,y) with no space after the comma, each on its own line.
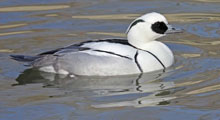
(189,90)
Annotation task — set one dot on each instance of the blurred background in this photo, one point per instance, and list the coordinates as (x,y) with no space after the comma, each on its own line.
(189,90)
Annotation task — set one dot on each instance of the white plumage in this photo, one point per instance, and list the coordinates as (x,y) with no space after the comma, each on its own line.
(138,54)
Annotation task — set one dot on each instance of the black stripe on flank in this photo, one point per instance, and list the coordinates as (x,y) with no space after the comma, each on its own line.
(136,61)
(157,59)
(113,54)
(153,56)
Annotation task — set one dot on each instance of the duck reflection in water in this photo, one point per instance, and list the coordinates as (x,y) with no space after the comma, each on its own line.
(150,85)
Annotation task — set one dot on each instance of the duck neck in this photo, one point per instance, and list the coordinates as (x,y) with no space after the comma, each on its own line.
(139,43)
(140,39)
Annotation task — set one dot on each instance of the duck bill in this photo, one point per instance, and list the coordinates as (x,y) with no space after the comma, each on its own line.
(172,30)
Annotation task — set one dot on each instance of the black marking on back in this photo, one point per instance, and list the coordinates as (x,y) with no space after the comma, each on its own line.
(137,63)
(159,27)
(134,23)
(119,41)
(50,52)
(79,48)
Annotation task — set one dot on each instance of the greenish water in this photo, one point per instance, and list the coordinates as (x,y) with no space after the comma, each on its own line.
(187,91)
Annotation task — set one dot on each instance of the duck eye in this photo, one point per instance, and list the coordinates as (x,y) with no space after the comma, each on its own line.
(159,27)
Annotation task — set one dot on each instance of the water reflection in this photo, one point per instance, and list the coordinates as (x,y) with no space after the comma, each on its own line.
(148,89)
(180,17)
(32,8)
(35,26)
(7,26)
(14,33)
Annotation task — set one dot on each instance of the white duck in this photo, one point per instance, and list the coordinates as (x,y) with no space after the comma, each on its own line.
(140,53)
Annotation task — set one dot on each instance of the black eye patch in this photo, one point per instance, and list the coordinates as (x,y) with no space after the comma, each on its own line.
(159,27)
(134,23)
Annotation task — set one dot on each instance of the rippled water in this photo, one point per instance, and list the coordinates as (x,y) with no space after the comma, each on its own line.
(188,91)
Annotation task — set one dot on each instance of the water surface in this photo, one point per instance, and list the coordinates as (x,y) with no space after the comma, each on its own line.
(189,90)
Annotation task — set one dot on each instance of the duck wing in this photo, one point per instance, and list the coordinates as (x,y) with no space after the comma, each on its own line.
(80,46)
(64,50)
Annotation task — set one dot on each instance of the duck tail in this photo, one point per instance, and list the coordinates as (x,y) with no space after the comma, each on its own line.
(23,58)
